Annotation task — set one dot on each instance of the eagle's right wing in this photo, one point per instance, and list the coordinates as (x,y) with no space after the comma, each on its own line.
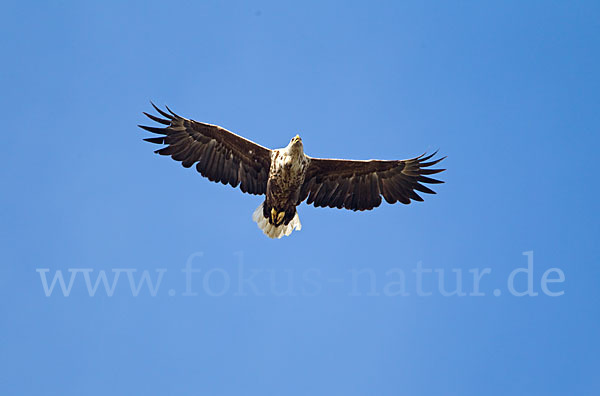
(219,155)
(359,185)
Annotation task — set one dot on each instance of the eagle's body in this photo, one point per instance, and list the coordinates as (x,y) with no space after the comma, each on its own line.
(287,176)
(277,216)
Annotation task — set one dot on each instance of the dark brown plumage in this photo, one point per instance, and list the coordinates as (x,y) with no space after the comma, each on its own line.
(359,185)
(225,157)
(219,155)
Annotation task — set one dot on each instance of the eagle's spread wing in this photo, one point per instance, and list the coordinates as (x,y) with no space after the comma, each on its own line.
(359,185)
(219,155)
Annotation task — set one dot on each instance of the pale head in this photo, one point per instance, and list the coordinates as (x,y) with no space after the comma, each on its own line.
(296,144)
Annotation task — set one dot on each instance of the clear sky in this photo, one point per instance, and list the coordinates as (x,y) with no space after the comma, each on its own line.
(355,303)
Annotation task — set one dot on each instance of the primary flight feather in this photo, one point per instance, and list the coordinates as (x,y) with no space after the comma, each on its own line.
(287,176)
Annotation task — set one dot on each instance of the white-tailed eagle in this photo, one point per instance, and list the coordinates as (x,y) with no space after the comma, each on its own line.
(287,176)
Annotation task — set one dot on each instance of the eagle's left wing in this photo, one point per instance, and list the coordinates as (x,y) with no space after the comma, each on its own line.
(219,155)
(359,185)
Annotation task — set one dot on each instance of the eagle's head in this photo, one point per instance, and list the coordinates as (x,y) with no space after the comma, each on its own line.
(296,144)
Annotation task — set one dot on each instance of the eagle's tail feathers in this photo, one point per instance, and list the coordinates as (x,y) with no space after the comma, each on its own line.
(271,230)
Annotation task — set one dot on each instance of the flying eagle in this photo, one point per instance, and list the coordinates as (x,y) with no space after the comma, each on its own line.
(287,176)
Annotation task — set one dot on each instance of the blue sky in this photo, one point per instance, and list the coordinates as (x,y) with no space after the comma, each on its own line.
(508,90)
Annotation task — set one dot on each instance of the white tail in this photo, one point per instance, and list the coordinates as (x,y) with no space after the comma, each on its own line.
(272,231)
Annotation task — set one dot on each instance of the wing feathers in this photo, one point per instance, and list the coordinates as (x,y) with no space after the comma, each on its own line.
(218,154)
(157,140)
(362,185)
(157,119)
(162,113)
(158,131)
(225,157)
